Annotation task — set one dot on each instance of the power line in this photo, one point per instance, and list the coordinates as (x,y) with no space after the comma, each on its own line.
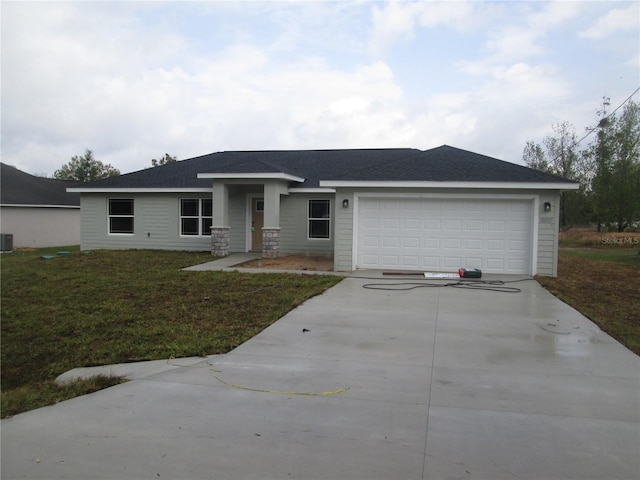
(603,121)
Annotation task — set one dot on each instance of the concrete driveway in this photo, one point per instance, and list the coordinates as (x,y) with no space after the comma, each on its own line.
(357,383)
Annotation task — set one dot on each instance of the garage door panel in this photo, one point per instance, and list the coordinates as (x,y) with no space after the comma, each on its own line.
(390,260)
(451,262)
(411,223)
(495,245)
(410,261)
(517,246)
(370,241)
(391,224)
(433,225)
(411,242)
(431,243)
(517,226)
(429,262)
(496,226)
(453,226)
(473,244)
(452,243)
(445,234)
(390,242)
(471,262)
(495,264)
(475,226)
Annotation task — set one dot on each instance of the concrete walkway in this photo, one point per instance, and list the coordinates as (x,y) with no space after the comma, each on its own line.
(231,262)
(359,383)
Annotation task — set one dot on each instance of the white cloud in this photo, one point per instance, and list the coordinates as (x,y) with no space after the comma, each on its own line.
(396,20)
(524,32)
(132,81)
(614,21)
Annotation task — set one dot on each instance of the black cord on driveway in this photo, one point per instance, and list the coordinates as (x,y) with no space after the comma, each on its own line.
(487,285)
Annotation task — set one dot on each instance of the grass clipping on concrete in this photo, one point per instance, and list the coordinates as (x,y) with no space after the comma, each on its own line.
(106,307)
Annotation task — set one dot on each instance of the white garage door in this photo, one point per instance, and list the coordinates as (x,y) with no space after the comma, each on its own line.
(445,234)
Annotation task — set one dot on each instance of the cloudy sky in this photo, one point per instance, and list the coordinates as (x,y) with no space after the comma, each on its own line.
(134,80)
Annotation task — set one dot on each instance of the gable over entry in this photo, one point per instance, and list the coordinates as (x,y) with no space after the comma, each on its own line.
(273,185)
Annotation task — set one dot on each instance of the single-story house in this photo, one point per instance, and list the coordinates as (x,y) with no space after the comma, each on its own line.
(38,212)
(434,210)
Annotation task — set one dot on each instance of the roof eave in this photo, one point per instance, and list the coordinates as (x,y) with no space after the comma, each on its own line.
(28,205)
(440,185)
(139,190)
(252,176)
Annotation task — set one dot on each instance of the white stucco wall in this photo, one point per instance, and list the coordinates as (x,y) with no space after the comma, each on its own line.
(39,227)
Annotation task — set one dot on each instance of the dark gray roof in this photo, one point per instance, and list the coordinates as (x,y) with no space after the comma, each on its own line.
(20,188)
(441,164)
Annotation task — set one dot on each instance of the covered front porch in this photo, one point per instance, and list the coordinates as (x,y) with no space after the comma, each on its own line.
(246,212)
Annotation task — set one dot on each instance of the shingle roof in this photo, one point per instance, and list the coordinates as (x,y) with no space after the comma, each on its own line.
(441,164)
(20,188)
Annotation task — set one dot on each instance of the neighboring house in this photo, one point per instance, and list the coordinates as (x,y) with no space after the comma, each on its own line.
(38,212)
(433,210)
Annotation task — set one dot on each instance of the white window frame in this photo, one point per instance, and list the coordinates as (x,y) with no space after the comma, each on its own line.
(314,219)
(200,217)
(111,216)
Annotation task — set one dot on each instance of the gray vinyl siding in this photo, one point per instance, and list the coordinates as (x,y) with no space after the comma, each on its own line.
(294,210)
(156,223)
(342,259)
(548,226)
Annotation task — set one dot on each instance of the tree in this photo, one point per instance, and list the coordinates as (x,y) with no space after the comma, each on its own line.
(559,157)
(85,169)
(163,160)
(534,157)
(615,158)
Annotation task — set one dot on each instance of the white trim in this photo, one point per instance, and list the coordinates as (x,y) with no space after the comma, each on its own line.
(312,190)
(139,190)
(132,217)
(329,220)
(200,217)
(258,176)
(465,196)
(535,218)
(533,198)
(430,184)
(20,205)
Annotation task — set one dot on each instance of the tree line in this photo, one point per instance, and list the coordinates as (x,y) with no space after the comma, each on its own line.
(86,168)
(608,169)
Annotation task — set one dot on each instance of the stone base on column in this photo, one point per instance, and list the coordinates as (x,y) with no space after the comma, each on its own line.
(220,241)
(270,242)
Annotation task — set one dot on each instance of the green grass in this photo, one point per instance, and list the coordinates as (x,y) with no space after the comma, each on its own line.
(623,256)
(602,284)
(106,307)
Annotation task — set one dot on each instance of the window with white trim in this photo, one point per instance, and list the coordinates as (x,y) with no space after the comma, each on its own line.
(121,215)
(196,216)
(319,219)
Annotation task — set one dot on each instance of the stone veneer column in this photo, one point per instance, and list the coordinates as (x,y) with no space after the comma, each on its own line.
(270,242)
(220,241)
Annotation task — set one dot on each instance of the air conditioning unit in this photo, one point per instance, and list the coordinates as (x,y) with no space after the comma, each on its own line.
(6,242)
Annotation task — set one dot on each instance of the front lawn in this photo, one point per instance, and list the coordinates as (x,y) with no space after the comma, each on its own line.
(106,307)
(604,285)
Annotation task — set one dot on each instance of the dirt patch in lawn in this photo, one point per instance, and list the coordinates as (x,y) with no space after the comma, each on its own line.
(292,262)
(606,292)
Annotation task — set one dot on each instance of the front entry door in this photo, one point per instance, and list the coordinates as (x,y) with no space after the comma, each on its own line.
(257,222)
